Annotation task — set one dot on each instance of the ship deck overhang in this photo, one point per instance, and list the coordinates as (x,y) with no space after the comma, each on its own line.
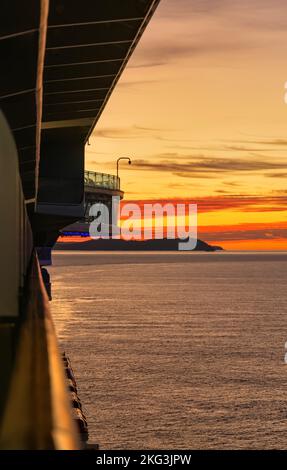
(60,61)
(61,64)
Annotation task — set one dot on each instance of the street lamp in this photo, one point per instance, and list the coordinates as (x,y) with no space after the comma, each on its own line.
(122,158)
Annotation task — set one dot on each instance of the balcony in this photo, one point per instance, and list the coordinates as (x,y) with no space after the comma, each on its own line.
(95,180)
(101,187)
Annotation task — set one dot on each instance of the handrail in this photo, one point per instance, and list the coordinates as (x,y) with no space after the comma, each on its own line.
(37,414)
(94,179)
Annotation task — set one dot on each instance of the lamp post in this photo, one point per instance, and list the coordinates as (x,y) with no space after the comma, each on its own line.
(122,158)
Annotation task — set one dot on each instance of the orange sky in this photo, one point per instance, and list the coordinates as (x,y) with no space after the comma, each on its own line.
(200,110)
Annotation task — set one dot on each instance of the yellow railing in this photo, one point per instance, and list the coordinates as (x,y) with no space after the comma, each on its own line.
(37,413)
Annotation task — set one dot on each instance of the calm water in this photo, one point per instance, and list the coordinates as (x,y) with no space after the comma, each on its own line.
(176,350)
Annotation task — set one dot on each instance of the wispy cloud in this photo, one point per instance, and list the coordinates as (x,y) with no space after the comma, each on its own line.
(136,83)
(244,232)
(203,166)
(218,203)
(146,65)
(275,142)
(276,175)
(200,27)
(232,183)
(131,132)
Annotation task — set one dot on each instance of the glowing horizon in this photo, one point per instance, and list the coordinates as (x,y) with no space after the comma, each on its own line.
(200,110)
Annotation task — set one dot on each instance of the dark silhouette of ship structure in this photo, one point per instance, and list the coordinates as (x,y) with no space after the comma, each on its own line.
(60,62)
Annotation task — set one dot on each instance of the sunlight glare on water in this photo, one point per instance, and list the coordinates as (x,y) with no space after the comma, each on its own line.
(176,350)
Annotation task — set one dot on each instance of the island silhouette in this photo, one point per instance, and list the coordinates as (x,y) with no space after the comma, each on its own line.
(131,245)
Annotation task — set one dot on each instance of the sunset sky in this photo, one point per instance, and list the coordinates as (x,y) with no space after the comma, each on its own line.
(200,110)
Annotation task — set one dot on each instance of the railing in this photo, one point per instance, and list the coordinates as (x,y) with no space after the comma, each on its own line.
(38,412)
(101,180)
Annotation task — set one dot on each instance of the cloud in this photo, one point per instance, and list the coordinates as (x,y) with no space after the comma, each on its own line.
(241,232)
(271,208)
(276,175)
(192,28)
(250,231)
(276,142)
(232,183)
(142,128)
(217,147)
(263,14)
(196,175)
(179,185)
(132,132)
(278,192)
(165,52)
(241,148)
(146,65)
(235,202)
(184,8)
(135,83)
(204,167)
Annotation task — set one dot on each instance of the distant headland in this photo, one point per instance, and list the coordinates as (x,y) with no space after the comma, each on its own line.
(131,245)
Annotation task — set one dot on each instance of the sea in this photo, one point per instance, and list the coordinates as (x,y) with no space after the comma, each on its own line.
(176,350)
